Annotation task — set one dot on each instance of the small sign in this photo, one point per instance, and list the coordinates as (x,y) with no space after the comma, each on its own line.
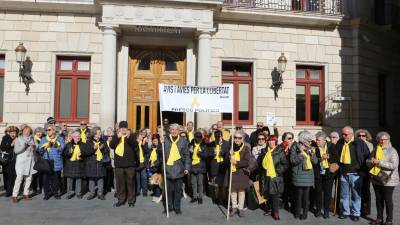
(157,29)
(271,119)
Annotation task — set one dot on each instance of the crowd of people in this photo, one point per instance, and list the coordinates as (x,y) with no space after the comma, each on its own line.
(337,169)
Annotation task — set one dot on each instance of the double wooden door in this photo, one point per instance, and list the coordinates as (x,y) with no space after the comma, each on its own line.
(147,68)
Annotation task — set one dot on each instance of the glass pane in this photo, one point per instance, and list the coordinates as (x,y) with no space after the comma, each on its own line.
(170,66)
(65,98)
(243,97)
(226,116)
(315,74)
(83,98)
(83,65)
(138,116)
(2,63)
(147,116)
(300,103)
(241,69)
(1,95)
(300,74)
(315,101)
(66,65)
(144,64)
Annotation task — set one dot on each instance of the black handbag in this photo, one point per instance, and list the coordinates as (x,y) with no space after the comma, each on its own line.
(382,178)
(43,165)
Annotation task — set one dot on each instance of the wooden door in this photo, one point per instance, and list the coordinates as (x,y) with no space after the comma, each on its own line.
(147,68)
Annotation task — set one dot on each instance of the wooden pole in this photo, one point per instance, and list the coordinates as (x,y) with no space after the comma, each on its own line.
(164,167)
(335,198)
(230,173)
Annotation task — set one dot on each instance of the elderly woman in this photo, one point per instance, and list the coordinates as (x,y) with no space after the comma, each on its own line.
(109,180)
(287,197)
(302,157)
(273,164)
(384,159)
(37,179)
(25,147)
(365,192)
(334,137)
(239,158)
(7,148)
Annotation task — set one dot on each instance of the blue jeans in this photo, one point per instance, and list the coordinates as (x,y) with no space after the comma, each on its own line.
(350,194)
(141,181)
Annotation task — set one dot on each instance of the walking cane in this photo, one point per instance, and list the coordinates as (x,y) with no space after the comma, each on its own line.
(336,192)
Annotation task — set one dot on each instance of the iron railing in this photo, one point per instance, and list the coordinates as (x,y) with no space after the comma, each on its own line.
(326,7)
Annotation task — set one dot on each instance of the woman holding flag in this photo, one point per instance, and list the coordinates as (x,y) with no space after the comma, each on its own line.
(273,164)
(384,159)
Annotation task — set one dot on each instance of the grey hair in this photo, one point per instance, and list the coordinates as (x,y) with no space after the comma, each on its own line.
(334,134)
(321,134)
(174,126)
(241,132)
(94,131)
(76,132)
(306,136)
(109,129)
(368,135)
(381,134)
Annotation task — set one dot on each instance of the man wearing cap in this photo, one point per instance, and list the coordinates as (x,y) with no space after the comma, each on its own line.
(124,146)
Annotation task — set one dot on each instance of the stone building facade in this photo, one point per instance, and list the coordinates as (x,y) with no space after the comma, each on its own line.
(110,56)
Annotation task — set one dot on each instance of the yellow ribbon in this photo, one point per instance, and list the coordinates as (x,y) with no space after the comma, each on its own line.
(75,153)
(120,149)
(83,135)
(379,156)
(268,164)
(236,157)
(52,140)
(174,153)
(218,156)
(99,154)
(153,156)
(190,136)
(141,156)
(323,151)
(308,161)
(345,157)
(195,156)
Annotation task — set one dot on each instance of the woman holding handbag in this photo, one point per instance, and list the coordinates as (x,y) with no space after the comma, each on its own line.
(8,162)
(24,149)
(384,174)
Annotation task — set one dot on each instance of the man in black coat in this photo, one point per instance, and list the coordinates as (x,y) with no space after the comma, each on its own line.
(125,164)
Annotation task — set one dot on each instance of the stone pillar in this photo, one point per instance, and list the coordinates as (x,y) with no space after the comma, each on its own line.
(108,77)
(203,71)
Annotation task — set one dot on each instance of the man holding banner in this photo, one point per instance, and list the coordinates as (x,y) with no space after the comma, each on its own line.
(176,167)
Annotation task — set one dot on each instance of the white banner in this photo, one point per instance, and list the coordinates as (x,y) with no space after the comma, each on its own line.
(196,99)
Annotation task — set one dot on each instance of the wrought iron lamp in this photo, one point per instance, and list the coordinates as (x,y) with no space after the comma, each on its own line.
(276,74)
(25,66)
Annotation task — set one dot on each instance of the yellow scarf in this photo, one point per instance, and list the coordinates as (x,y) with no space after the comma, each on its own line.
(141,156)
(268,164)
(236,157)
(218,156)
(99,155)
(190,136)
(195,156)
(379,156)
(212,137)
(153,156)
(174,153)
(52,140)
(345,157)
(37,139)
(323,151)
(226,135)
(119,150)
(308,161)
(75,153)
(83,135)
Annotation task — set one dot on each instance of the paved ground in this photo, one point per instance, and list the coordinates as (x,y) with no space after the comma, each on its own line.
(97,212)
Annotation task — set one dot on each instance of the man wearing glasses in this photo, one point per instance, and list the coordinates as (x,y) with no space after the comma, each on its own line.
(84,131)
(353,154)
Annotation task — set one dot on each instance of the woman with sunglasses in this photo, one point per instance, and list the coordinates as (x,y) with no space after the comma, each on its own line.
(272,163)
(110,178)
(365,192)
(384,159)
(52,147)
(287,143)
(198,153)
(239,158)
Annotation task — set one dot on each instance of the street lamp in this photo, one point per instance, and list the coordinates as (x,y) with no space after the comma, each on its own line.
(277,80)
(25,66)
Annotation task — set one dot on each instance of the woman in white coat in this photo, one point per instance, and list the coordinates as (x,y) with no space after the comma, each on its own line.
(24,149)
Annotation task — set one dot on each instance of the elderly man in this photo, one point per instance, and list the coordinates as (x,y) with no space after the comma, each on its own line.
(84,131)
(190,130)
(177,166)
(353,154)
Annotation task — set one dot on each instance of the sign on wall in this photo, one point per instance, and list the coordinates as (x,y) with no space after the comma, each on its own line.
(178,98)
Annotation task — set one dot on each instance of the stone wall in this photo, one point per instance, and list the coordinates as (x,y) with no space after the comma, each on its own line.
(46,35)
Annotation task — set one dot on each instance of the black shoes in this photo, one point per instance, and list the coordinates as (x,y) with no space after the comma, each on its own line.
(178,211)
(303,217)
(200,201)
(118,204)
(101,197)
(90,197)
(355,218)
(131,205)
(46,197)
(193,200)
(326,215)
(70,196)
(79,196)
(318,214)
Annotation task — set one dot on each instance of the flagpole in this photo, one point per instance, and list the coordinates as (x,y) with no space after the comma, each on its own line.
(230,172)
(164,167)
